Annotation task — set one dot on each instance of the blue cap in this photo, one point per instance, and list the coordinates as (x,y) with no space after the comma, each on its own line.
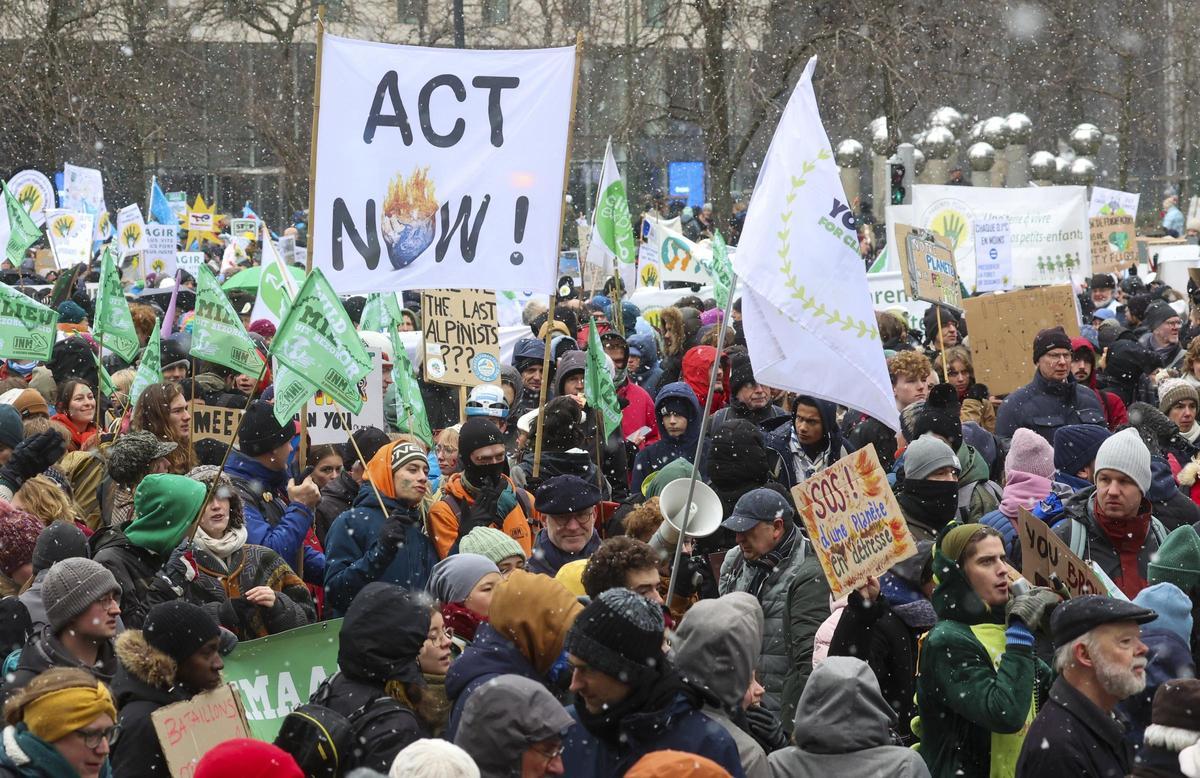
(1104,313)
(756,506)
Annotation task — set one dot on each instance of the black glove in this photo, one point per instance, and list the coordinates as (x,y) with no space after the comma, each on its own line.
(392,534)
(237,614)
(766,728)
(690,576)
(33,456)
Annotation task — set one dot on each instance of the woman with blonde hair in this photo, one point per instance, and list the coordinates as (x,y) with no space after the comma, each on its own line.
(42,497)
(162,409)
(959,372)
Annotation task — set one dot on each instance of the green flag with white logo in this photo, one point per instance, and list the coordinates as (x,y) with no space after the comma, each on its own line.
(150,370)
(318,340)
(217,332)
(410,406)
(292,390)
(27,328)
(721,270)
(598,384)
(22,232)
(373,314)
(114,324)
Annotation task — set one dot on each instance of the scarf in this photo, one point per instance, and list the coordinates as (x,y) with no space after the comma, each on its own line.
(223,547)
(766,564)
(462,620)
(645,698)
(32,755)
(1126,538)
(918,615)
(808,460)
(1022,490)
(1192,435)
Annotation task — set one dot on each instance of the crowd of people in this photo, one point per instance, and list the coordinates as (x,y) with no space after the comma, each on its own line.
(505,588)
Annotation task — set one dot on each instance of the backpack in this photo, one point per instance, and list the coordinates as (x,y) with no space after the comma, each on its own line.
(1079,536)
(321,740)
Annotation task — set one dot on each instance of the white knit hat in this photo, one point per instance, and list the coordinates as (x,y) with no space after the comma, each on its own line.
(1126,453)
(430,758)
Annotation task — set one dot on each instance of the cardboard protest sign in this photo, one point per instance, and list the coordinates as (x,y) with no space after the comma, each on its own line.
(993,256)
(439,167)
(279,673)
(1114,243)
(1042,553)
(853,520)
(462,341)
(329,422)
(928,266)
(190,729)
(1003,327)
(212,422)
(1112,202)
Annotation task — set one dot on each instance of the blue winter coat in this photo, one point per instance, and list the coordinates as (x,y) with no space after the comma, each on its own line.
(1044,406)
(649,373)
(489,655)
(658,455)
(680,727)
(355,558)
(284,530)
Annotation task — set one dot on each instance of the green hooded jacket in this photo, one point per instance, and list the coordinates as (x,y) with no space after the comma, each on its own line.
(967,700)
(975,473)
(164,507)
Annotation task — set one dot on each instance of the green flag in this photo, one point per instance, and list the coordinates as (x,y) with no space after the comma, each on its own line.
(114,324)
(23,233)
(410,406)
(105,380)
(721,271)
(612,234)
(318,340)
(372,314)
(598,384)
(150,370)
(292,390)
(217,332)
(27,328)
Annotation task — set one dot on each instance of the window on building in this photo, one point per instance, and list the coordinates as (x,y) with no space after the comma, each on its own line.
(495,12)
(654,13)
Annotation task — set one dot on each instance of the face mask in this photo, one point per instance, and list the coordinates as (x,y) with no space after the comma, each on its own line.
(485,476)
(937,499)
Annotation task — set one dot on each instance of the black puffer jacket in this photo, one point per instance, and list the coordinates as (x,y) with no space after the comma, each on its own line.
(144,683)
(137,570)
(336,498)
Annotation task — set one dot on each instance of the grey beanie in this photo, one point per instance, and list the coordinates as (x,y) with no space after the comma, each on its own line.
(59,540)
(70,588)
(1126,453)
(454,577)
(927,454)
(130,455)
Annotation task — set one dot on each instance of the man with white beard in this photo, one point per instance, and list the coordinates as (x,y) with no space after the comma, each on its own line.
(1101,660)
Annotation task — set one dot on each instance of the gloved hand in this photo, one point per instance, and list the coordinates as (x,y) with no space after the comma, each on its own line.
(33,456)
(690,575)
(766,728)
(391,535)
(1033,608)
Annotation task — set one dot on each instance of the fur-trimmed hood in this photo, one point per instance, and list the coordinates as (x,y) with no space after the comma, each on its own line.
(143,662)
(205,474)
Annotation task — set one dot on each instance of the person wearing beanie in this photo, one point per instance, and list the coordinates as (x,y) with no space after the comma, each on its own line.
(59,725)
(630,701)
(1100,661)
(564,448)
(677,412)
(433,758)
(1174,729)
(1169,655)
(29,403)
(58,541)
(379,686)
(279,511)
(1112,524)
(1128,366)
(928,495)
(174,360)
(1053,398)
(940,414)
(1075,447)
(951,324)
(569,375)
(502,550)
(380,538)
(979,683)
(12,432)
(264,327)
(131,457)
(483,494)
(637,406)
(248,589)
(528,358)
(173,657)
(527,623)
(247,758)
(1178,562)
(774,562)
(1083,367)
(463,584)
(676,764)
(338,495)
(19,533)
(81,621)
(1028,470)
(569,507)
(1178,400)
(164,507)
(1163,325)
(512,727)
(749,399)
(811,443)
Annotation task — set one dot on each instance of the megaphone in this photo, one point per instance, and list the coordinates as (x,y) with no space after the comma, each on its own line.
(704,518)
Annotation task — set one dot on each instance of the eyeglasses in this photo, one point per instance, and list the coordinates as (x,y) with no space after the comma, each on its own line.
(563,520)
(552,754)
(92,737)
(1058,356)
(443,450)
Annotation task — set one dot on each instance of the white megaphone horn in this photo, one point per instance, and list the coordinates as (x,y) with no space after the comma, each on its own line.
(704,518)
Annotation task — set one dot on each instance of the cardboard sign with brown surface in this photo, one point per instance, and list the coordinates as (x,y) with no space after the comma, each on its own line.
(462,339)
(188,730)
(1114,243)
(927,264)
(1003,327)
(1042,553)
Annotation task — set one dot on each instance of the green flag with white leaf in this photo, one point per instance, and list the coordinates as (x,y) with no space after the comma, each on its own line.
(612,232)
(217,332)
(318,340)
(721,270)
(292,390)
(598,384)
(27,328)
(22,232)
(410,406)
(372,314)
(114,324)
(150,370)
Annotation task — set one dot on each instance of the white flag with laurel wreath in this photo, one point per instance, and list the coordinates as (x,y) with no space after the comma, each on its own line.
(807,309)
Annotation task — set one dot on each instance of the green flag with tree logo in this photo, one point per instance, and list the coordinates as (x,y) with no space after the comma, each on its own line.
(114,324)
(217,332)
(598,384)
(27,328)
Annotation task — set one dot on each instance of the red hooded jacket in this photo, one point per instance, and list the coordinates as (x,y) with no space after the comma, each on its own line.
(1114,407)
(697,367)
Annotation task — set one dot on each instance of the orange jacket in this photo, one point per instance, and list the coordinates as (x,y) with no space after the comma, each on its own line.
(445,513)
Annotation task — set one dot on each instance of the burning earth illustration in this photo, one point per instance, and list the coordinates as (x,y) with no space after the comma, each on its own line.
(408,217)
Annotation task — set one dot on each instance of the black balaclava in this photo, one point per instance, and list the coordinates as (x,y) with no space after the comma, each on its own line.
(479,432)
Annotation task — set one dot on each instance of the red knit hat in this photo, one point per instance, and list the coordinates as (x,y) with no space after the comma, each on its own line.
(18,535)
(247,758)
(263,327)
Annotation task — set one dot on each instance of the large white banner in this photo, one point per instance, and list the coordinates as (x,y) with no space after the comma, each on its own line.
(806,307)
(440,168)
(1049,236)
